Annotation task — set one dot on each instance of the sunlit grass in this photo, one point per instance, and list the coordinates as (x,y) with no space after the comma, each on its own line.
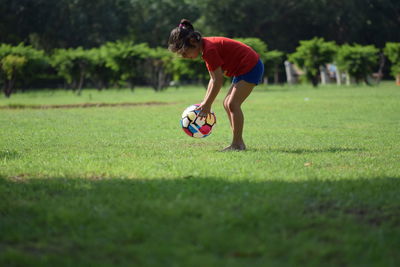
(124,185)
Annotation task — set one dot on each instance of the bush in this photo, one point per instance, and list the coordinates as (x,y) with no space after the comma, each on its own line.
(311,55)
(392,51)
(190,69)
(119,62)
(159,68)
(20,65)
(127,60)
(273,62)
(358,61)
(73,65)
(99,72)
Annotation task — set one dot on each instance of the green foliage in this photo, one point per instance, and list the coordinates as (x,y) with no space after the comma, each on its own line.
(359,61)
(23,61)
(159,68)
(274,57)
(11,65)
(64,23)
(190,69)
(280,23)
(99,72)
(112,63)
(313,54)
(73,65)
(273,63)
(152,20)
(392,51)
(127,60)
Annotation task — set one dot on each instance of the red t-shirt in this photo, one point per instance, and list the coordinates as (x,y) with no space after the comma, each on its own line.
(234,57)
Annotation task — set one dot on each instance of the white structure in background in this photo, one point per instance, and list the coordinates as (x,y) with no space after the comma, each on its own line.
(291,73)
(328,74)
(323,75)
(288,70)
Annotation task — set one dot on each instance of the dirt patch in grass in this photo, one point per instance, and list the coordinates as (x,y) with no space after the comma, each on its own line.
(85,105)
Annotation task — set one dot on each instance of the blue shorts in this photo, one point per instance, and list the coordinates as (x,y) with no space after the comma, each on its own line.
(255,75)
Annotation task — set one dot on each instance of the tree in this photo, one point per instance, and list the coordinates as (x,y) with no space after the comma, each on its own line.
(190,69)
(127,60)
(158,68)
(358,61)
(281,23)
(392,51)
(273,63)
(154,19)
(99,71)
(313,54)
(20,64)
(64,23)
(12,66)
(73,65)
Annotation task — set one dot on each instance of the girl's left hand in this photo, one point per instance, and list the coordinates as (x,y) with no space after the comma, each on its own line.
(205,110)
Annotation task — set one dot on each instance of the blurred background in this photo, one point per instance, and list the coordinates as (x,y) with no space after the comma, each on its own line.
(53,27)
(280,23)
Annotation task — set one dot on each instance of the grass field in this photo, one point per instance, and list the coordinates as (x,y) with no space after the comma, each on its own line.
(100,186)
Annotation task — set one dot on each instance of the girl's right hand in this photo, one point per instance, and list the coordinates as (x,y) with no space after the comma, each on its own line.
(205,110)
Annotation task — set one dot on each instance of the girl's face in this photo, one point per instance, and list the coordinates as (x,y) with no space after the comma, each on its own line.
(192,52)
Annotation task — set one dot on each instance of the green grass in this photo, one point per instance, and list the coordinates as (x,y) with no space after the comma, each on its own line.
(319,184)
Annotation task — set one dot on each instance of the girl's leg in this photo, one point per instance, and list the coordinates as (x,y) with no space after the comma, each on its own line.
(226,106)
(240,91)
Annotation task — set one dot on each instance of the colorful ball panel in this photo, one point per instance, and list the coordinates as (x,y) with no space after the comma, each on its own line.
(200,121)
(205,129)
(211,119)
(185,122)
(191,115)
(198,135)
(186,130)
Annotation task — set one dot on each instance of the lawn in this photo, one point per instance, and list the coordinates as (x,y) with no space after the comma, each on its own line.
(123,185)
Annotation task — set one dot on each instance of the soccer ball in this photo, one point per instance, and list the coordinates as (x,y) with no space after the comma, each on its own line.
(195,126)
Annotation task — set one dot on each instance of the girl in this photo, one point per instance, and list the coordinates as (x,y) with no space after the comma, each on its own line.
(222,56)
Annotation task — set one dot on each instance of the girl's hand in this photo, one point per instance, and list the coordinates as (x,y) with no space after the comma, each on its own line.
(205,110)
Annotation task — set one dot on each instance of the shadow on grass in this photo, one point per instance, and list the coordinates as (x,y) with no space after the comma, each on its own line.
(203,221)
(312,150)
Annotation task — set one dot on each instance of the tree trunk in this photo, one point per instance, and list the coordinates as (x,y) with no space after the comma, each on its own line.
(367,81)
(314,81)
(381,66)
(348,79)
(338,77)
(81,79)
(131,84)
(100,85)
(313,78)
(7,91)
(276,75)
(8,86)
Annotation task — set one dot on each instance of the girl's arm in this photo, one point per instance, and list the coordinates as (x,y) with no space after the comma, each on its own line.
(214,86)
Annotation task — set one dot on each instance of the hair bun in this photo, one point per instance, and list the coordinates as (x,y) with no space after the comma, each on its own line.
(187,24)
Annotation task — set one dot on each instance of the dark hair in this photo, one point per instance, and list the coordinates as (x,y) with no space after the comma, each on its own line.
(180,37)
